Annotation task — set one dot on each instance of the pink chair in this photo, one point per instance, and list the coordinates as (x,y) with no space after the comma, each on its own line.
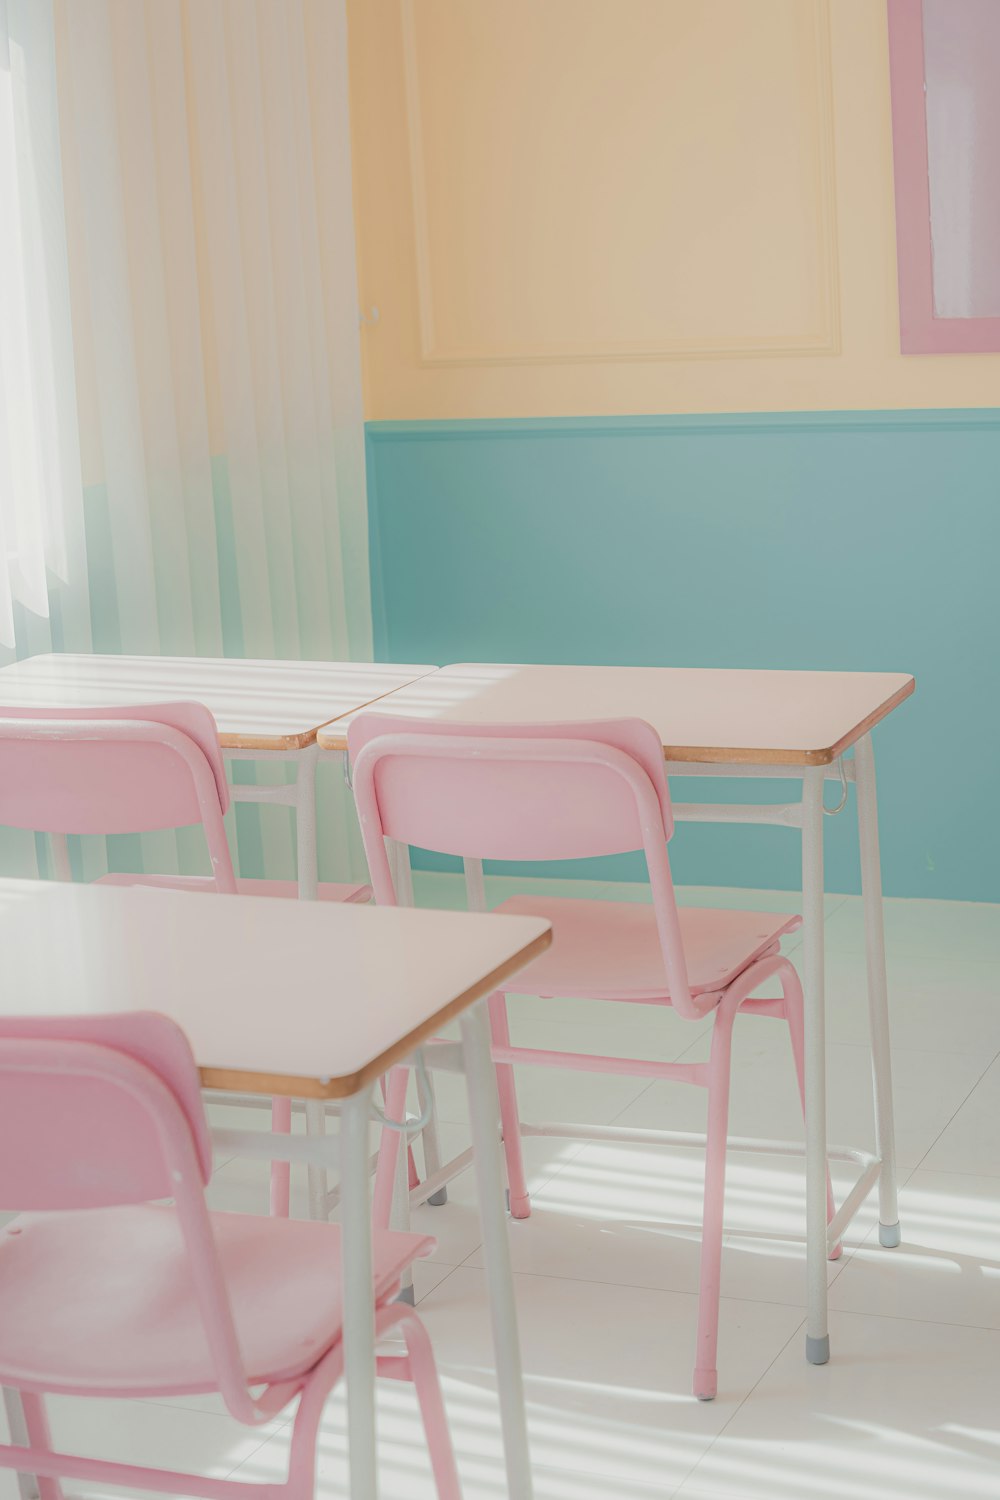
(135,770)
(104,1293)
(572,791)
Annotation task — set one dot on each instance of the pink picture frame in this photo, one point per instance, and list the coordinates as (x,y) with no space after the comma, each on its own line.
(922,330)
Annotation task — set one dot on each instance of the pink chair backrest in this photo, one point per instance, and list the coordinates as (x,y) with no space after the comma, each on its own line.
(110,770)
(81,1138)
(103,1111)
(520,792)
(513,791)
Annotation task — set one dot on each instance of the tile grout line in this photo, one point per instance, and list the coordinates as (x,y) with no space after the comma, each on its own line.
(953,1115)
(850,1312)
(260,1446)
(248,1456)
(450,1272)
(953,1171)
(631,1286)
(796,1331)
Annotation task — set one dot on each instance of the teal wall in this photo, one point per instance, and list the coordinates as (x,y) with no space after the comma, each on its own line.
(851,540)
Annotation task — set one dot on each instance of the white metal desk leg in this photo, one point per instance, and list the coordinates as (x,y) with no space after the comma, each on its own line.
(61,867)
(317,1175)
(402,874)
(399,1211)
(814,977)
(484,1114)
(878,1004)
(429,1135)
(358,1295)
(305,822)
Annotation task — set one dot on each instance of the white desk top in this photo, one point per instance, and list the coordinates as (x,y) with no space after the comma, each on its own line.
(306,998)
(258,705)
(707,714)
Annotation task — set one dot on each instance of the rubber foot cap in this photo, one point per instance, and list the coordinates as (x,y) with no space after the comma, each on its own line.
(889,1235)
(818,1350)
(408,1296)
(438,1199)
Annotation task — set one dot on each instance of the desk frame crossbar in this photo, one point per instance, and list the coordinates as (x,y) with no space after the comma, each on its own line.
(298,794)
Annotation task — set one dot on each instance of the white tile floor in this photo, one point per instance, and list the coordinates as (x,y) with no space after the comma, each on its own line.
(606,1268)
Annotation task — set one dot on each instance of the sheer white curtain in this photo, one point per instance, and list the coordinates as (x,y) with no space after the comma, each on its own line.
(40,488)
(198,485)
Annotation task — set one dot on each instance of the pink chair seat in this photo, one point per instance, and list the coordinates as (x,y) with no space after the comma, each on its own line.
(327,891)
(102,1301)
(611,950)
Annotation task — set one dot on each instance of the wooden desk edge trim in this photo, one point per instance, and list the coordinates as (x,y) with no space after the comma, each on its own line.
(699,755)
(714,756)
(307,737)
(268,741)
(332,742)
(341,740)
(230,1080)
(875,717)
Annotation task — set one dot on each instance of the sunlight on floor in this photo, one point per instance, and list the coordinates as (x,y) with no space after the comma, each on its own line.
(607,1275)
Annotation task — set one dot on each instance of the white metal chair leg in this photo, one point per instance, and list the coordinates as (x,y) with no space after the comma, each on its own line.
(305,823)
(316,1125)
(817,1332)
(17,1426)
(878,1005)
(399,1212)
(429,1135)
(475,884)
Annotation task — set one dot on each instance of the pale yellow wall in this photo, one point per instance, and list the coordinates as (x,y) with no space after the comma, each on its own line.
(628,206)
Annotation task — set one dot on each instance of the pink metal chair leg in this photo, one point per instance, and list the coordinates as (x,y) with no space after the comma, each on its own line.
(706,1379)
(510,1123)
(37,1423)
(792,994)
(423,1373)
(388,1151)
(281,1171)
(301,1480)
